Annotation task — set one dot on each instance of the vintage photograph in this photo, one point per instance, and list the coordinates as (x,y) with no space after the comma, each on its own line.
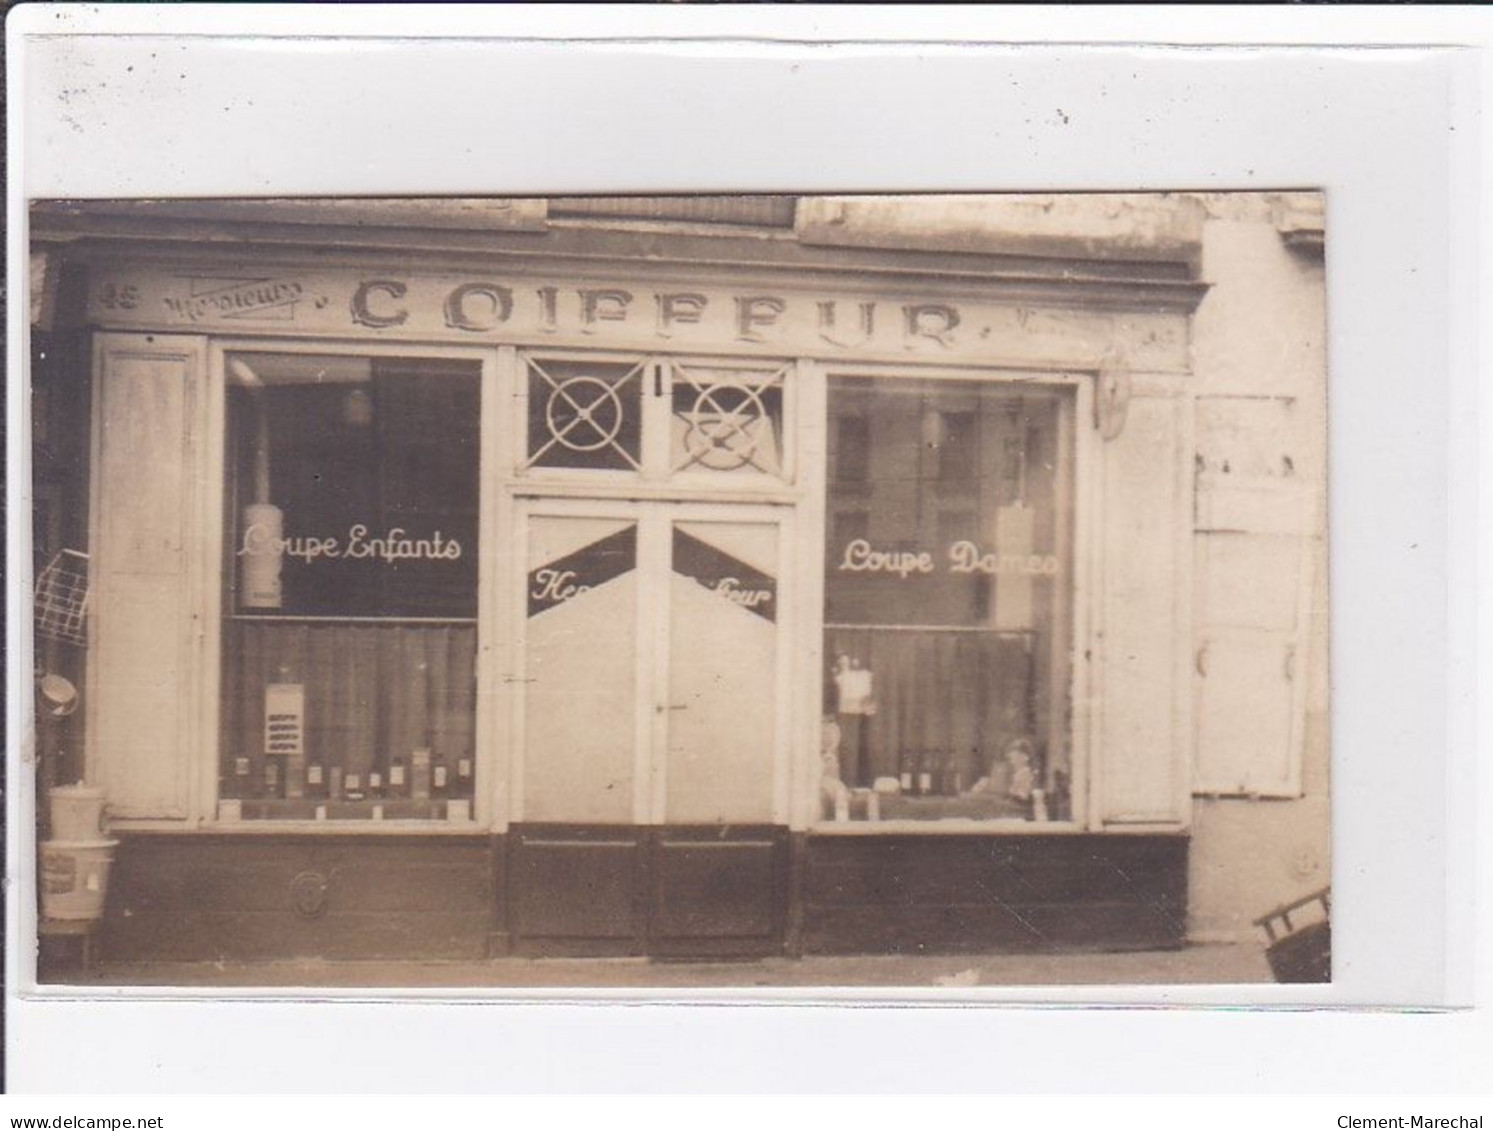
(681,591)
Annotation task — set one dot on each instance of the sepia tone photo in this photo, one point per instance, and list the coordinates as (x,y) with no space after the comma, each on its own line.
(681,591)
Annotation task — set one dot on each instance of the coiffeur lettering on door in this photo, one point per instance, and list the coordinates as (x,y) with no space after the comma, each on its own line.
(644,314)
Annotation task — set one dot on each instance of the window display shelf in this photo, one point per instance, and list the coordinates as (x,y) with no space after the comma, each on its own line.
(947,826)
(392,809)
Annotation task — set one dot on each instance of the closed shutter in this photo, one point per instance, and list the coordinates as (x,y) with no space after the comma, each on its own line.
(1142,610)
(1255,551)
(146,543)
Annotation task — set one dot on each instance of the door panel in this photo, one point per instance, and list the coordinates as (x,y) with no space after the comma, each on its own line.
(722,673)
(580,671)
(651,743)
(718,891)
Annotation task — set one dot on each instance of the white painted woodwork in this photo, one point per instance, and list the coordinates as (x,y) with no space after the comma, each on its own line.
(579,686)
(722,707)
(1255,555)
(1139,689)
(148,540)
(598,736)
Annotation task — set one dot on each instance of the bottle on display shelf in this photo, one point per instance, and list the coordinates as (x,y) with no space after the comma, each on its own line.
(398,778)
(375,783)
(925,773)
(316,779)
(352,786)
(295,777)
(1061,796)
(272,777)
(464,775)
(420,774)
(905,770)
(335,787)
(440,779)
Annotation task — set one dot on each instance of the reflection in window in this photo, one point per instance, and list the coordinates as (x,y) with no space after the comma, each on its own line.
(727,421)
(947,601)
(349,639)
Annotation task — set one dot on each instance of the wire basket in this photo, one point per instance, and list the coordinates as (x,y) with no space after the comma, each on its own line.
(62,598)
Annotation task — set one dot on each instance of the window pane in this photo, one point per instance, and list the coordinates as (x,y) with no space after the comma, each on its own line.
(349,644)
(727,422)
(353,486)
(947,601)
(385,716)
(585,414)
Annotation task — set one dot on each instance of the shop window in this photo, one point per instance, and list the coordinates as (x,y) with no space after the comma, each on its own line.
(948,602)
(349,636)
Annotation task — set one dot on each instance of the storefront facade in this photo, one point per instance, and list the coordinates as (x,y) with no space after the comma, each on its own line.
(483,578)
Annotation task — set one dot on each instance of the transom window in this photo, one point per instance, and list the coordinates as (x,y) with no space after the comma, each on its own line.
(657,419)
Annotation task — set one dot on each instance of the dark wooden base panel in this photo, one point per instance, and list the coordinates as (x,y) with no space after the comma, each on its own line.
(205,898)
(947,894)
(675,893)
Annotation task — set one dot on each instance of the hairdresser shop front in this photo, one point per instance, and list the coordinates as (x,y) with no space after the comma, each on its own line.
(581,589)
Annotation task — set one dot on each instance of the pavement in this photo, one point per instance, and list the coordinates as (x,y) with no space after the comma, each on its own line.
(1196,965)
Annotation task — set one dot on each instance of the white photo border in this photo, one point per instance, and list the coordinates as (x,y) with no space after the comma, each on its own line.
(1389,132)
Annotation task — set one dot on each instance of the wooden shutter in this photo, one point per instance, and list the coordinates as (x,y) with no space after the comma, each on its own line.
(1142,610)
(148,535)
(1255,550)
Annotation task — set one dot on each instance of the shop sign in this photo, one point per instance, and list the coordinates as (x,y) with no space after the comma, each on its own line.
(860,556)
(393,545)
(583,570)
(580,311)
(284,718)
(364,571)
(725,575)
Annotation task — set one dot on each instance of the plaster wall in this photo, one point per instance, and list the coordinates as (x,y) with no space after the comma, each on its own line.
(1259,354)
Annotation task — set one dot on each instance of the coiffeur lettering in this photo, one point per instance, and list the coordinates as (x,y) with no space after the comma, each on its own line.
(481,306)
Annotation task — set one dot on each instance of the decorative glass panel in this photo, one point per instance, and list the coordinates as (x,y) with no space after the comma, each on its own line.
(727,421)
(585,414)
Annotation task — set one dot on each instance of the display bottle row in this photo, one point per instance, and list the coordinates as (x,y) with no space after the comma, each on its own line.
(420,777)
(930,773)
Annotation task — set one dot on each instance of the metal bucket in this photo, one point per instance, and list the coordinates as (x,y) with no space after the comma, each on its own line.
(75,878)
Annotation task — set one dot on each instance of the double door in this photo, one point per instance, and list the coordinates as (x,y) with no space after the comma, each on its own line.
(651,785)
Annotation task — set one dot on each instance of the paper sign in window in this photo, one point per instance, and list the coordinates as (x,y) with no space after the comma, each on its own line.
(284,718)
